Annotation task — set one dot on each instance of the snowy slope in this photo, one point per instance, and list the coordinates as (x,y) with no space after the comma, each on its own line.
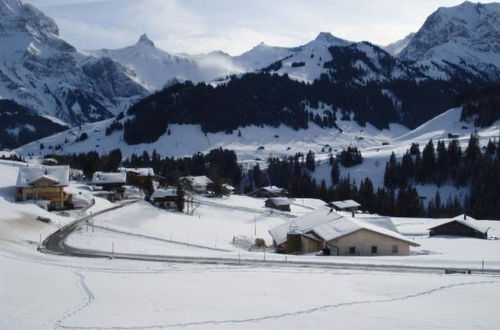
(185,140)
(375,158)
(43,72)
(467,35)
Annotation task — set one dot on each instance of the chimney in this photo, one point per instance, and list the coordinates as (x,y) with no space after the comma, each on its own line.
(465,216)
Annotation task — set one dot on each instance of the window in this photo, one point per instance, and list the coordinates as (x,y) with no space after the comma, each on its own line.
(352,250)
(394,249)
(374,249)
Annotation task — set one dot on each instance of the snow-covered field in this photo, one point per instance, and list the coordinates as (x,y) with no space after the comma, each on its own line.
(55,292)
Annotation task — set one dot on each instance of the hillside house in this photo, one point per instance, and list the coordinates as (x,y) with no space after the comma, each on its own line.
(348,205)
(268,192)
(278,203)
(198,184)
(461,225)
(227,189)
(44,183)
(138,176)
(164,198)
(111,182)
(327,231)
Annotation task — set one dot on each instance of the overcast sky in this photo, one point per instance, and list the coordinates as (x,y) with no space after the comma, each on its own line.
(234,26)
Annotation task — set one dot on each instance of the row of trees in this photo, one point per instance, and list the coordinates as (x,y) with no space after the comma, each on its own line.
(477,170)
(220,165)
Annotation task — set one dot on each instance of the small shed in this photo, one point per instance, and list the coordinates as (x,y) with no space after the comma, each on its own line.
(348,205)
(279,203)
(462,225)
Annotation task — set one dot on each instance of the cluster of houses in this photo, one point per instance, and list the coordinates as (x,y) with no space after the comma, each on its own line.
(338,228)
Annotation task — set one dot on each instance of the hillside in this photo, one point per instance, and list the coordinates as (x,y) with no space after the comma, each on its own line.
(20,125)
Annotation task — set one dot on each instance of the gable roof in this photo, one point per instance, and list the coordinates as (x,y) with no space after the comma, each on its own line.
(28,176)
(469,222)
(109,177)
(197,181)
(345,204)
(140,171)
(330,225)
(162,193)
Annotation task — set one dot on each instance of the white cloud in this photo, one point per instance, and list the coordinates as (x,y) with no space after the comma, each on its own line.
(234,26)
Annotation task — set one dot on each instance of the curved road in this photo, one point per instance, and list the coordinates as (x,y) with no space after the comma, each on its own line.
(56,244)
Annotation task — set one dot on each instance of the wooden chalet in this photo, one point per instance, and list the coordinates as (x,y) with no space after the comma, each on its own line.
(278,203)
(138,176)
(198,184)
(267,192)
(44,183)
(165,198)
(112,182)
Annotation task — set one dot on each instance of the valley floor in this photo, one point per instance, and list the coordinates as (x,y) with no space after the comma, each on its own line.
(41,291)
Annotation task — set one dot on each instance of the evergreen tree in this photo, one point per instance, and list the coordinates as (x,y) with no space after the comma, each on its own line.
(179,199)
(310,161)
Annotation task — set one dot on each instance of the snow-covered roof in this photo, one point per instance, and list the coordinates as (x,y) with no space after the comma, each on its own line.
(330,225)
(280,201)
(197,181)
(468,222)
(228,186)
(273,189)
(162,193)
(345,204)
(141,171)
(27,176)
(109,177)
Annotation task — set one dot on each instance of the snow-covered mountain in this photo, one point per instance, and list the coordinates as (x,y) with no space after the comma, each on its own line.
(396,47)
(464,38)
(156,68)
(43,72)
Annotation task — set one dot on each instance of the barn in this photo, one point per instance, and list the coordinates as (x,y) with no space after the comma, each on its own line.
(461,225)
(336,234)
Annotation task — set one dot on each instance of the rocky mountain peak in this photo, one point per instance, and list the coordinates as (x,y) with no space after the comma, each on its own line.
(144,40)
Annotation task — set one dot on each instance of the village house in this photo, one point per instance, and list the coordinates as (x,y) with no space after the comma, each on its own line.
(348,205)
(335,234)
(138,176)
(165,198)
(279,203)
(227,189)
(198,184)
(461,225)
(267,192)
(44,183)
(110,183)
